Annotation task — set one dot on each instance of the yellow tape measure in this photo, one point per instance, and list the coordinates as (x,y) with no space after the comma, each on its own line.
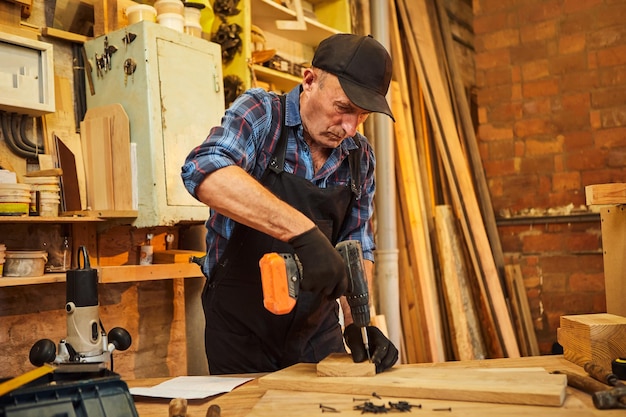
(618,366)
(18,381)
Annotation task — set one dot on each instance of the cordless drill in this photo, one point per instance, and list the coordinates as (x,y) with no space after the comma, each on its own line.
(281,274)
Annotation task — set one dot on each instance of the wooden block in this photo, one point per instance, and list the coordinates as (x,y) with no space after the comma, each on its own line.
(174,256)
(339,364)
(606,194)
(593,337)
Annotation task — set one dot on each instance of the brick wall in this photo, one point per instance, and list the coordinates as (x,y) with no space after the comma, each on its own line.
(551,94)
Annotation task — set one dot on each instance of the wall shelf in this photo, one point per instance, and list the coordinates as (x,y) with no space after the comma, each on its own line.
(116,274)
(281,80)
(55,220)
(265,13)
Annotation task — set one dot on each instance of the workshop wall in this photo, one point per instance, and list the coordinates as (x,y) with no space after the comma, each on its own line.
(152,311)
(551,89)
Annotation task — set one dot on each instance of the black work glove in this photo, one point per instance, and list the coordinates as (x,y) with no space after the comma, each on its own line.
(383,353)
(323,268)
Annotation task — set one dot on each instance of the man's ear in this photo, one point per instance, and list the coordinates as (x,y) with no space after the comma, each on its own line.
(307,78)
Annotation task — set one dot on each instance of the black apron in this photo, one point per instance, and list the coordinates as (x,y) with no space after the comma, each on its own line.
(241,336)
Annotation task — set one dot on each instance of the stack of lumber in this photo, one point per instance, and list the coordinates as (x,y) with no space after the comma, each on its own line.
(599,338)
(455,302)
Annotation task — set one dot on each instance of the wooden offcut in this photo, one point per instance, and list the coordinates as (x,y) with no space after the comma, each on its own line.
(593,337)
(172,256)
(342,365)
(530,386)
(606,193)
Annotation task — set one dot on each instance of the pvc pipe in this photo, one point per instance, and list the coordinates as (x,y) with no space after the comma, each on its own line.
(387,250)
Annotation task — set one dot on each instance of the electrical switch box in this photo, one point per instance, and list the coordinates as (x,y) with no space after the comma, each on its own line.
(26,75)
(170,85)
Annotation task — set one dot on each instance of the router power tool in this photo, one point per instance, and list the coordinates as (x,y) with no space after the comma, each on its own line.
(87,347)
(281,274)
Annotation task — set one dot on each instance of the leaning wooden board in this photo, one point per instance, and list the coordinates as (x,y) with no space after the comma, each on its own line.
(532,386)
(303,404)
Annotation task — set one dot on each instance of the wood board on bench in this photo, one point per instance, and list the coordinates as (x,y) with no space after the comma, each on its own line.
(303,404)
(528,386)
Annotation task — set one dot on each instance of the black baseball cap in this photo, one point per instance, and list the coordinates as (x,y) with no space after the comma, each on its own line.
(363,67)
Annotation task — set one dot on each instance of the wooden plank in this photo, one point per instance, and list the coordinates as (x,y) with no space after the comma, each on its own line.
(606,193)
(466,334)
(342,365)
(96,141)
(518,293)
(307,404)
(415,16)
(531,387)
(120,153)
(467,126)
(419,249)
(614,247)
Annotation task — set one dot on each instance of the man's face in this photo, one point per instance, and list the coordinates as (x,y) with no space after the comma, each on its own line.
(328,115)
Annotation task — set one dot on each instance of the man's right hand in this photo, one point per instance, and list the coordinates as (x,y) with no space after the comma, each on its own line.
(323,268)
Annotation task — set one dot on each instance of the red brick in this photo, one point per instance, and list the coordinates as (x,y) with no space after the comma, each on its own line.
(586,282)
(586,159)
(502,149)
(614,117)
(611,57)
(555,282)
(584,242)
(569,44)
(505,112)
(612,15)
(559,263)
(542,243)
(539,106)
(595,119)
(497,76)
(496,40)
(535,70)
(565,64)
(579,81)
(499,167)
(566,181)
(520,148)
(492,6)
(489,132)
(575,23)
(611,36)
(538,31)
(533,127)
(616,158)
(545,10)
(540,88)
(574,6)
(610,97)
(494,94)
(601,176)
(568,303)
(532,51)
(493,22)
(537,164)
(559,164)
(492,59)
(611,138)
(577,103)
(613,76)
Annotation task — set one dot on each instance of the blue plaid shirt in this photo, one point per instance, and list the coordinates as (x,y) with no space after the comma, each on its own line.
(245,138)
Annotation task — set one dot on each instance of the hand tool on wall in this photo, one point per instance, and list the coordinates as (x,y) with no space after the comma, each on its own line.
(281,274)
(603,397)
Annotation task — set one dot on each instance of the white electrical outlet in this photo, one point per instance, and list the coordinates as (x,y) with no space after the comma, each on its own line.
(26,75)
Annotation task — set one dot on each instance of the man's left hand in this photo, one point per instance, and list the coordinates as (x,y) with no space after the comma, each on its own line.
(383,353)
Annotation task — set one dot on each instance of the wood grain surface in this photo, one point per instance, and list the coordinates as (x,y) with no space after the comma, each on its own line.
(533,386)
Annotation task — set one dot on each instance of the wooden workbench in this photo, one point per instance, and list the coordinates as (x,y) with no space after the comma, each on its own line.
(241,401)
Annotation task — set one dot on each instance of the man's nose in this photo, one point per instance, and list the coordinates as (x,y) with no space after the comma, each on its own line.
(349,123)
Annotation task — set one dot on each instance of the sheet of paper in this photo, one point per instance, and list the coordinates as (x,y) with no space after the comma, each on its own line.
(191,387)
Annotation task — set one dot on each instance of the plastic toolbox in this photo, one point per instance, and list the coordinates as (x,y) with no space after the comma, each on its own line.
(96,397)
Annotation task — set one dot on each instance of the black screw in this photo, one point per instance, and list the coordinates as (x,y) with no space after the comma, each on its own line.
(376,395)
(328,409)
(442,409)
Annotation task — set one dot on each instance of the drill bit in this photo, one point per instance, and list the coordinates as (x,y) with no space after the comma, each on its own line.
(366,342)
